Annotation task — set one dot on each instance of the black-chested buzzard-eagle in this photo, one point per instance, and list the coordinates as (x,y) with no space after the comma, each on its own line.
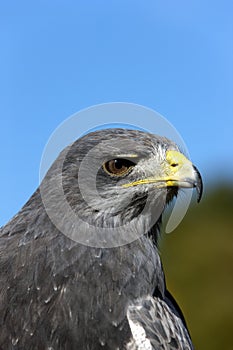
(90,277)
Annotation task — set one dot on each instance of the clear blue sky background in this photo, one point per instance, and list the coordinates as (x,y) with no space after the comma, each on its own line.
(58,57)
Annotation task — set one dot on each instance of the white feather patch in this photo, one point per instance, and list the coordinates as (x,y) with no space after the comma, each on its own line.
(141,342)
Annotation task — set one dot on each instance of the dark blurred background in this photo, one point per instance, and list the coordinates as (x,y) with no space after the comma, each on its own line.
(198,261)
(175,57)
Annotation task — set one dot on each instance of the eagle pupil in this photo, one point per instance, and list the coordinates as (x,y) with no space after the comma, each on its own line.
(118,164)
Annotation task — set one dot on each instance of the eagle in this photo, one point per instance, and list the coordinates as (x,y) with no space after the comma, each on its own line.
(79,264)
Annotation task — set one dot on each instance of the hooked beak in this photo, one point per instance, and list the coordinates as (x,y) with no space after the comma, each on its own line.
(177,171)
(182,173)
(198,184)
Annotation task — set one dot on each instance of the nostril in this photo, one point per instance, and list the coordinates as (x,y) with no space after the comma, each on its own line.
(174,165)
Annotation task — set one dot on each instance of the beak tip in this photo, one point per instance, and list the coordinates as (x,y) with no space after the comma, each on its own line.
(199,185)
(199,197)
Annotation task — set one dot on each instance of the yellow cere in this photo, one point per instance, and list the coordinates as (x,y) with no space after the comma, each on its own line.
(175,157)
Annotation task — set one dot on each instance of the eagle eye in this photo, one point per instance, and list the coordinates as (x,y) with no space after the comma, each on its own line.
(118,166)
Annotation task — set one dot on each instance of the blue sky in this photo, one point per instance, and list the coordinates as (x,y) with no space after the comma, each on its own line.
(58,57)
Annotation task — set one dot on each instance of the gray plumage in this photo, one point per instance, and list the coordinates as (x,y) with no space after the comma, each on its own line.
(57,293)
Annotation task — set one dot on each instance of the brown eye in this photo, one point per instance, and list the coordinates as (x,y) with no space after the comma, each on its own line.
(118,167)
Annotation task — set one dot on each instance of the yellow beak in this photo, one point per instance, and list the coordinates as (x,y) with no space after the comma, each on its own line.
(177,171)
